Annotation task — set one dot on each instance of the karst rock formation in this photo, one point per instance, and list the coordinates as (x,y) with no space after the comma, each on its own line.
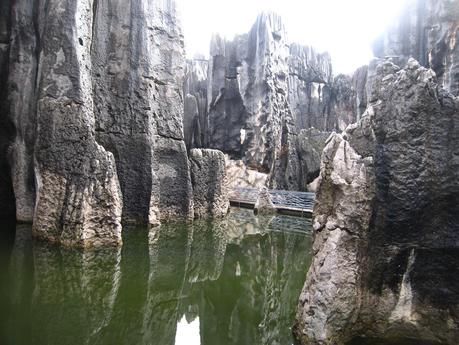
(386,219)
(260,98)
(91,118)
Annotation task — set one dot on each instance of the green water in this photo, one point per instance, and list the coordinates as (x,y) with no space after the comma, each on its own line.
(235,281)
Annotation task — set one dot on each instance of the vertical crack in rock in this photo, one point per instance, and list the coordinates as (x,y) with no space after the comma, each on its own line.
(7,202)
(404,308)
(138,69)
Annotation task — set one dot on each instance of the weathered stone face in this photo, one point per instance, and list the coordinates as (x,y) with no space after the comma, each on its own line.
(264,205)
(7,202)
(311,143)
(138,70)
(94,131)
(19,64)
(310,83)
(195,118)
(210,187)
(78,195)
(172,169)
(427,31)
(247,94)
(386,219)
(240,176)
(261,91)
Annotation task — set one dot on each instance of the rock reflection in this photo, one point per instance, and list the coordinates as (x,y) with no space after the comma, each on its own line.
(238,279)
(74,293)
(208,250)
(169,260)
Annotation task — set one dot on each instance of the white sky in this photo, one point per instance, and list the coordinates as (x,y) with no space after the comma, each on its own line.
(345,28)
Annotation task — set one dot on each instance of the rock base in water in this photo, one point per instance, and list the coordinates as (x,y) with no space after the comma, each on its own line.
(91,117)
(210,191)
(264,205)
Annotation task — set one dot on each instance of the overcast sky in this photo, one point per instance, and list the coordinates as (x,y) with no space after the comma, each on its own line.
(345,28)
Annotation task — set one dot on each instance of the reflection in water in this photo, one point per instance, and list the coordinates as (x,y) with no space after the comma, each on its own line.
(234,281)
(187,332)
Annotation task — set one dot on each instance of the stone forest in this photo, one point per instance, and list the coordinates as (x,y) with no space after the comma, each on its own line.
(251,196)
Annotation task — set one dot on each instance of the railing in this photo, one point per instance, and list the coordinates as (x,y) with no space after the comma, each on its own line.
(296,203)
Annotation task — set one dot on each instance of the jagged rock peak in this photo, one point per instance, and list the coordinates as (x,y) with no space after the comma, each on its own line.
(267,27)
(309,65)
(427,30)
(270,23)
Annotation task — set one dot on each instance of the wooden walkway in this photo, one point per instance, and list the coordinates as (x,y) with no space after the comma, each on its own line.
(286,202)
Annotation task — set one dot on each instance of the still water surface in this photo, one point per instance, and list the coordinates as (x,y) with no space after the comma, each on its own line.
(234,281)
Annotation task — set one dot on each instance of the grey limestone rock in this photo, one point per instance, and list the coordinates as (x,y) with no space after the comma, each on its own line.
(310,84)
(138,69)
(360,83)
(386,218)
(78,195)
(91,117)
(311,143)
(7,202)
(427,30)
(261,91)
(173,199)
(299,160)
(249,114)
(259,86)
(191,124)
(264,205)
(239,175)
(195,119)
(210,187)
(19,76)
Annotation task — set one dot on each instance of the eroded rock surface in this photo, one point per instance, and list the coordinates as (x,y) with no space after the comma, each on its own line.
(78,194)
(195,121)
(311,143)
(210,188)
(138,69)
(310,81)
(264,204)
(261,92)
(386,219)
(92,117)
(427,31)
(18,64)
(239,175)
